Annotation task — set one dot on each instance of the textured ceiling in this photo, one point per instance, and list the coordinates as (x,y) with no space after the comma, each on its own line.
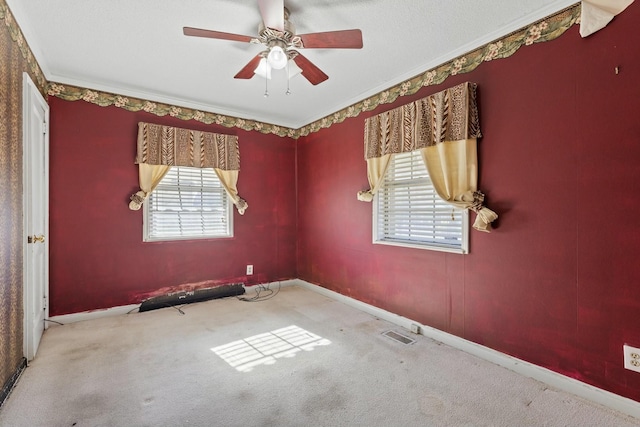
(136,48)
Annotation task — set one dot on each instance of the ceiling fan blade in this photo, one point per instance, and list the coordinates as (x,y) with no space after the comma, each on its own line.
(344,39)
(248,71)
(312,73)
(272,12)
(197,32)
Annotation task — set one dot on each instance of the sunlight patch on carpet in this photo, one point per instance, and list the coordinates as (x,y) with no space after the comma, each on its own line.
(265,349)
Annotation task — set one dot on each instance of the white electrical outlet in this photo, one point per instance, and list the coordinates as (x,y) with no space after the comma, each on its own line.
(249,270)
(631,358)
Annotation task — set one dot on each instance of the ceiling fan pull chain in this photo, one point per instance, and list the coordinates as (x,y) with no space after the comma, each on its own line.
(266,88)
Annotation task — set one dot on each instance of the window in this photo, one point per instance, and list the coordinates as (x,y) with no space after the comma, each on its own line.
(189,203)
(408,211)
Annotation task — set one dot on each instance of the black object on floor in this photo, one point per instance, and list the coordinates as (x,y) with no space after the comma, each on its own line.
(187,297)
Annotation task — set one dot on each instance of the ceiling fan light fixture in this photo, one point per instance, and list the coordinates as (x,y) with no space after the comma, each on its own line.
(277,58)
(263,69)
(279,37)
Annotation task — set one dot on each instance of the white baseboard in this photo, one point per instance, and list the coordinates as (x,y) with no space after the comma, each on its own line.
(93,314)
(554,379)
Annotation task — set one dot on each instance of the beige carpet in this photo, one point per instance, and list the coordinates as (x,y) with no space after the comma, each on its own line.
(298,359)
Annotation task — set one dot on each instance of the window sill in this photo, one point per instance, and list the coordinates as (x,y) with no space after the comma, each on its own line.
(423,246)
(185,239)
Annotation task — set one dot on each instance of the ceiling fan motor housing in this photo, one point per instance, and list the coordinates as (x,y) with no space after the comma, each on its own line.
(288,26)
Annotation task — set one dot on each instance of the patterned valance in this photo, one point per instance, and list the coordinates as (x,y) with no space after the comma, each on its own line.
(171,146)
(450,115)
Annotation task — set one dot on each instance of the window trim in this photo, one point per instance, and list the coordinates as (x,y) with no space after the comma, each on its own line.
(381,240)
(145,224)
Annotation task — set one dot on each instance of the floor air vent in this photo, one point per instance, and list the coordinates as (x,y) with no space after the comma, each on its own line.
(399,337)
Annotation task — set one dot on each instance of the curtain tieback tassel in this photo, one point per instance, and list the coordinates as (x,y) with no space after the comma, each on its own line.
(365,196)
(137,200)
(241,205)
(485,216)
(478,200)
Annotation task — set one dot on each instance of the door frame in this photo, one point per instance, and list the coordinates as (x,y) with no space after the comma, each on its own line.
(31,94)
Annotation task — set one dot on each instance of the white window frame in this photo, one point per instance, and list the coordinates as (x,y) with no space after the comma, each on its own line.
(147,237)
(379,238)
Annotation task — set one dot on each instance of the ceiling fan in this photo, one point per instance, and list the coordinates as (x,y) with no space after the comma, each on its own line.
(280,38)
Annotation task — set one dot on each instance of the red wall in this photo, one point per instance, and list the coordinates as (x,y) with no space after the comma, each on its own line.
(557,282)
(98,259)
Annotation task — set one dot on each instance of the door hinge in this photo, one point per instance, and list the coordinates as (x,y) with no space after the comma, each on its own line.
(44,127)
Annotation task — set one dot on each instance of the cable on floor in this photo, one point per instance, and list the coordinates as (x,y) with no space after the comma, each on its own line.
(260,289)
(179,308)
(134,308)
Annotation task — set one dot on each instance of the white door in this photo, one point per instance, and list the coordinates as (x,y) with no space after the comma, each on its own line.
(36,215)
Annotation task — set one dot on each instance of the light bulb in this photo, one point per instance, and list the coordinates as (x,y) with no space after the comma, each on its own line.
(263,69)
(277,58)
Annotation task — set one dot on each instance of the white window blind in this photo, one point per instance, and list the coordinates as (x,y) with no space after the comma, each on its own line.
(408,211)
(189,203)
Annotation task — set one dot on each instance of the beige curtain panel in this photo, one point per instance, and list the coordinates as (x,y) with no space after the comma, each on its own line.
(453,169)
(160,147)
(445,128)
(376,168)
(149,176)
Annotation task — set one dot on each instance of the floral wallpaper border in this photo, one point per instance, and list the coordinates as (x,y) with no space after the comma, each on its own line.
(16,35)
(544,30)
(104,99)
